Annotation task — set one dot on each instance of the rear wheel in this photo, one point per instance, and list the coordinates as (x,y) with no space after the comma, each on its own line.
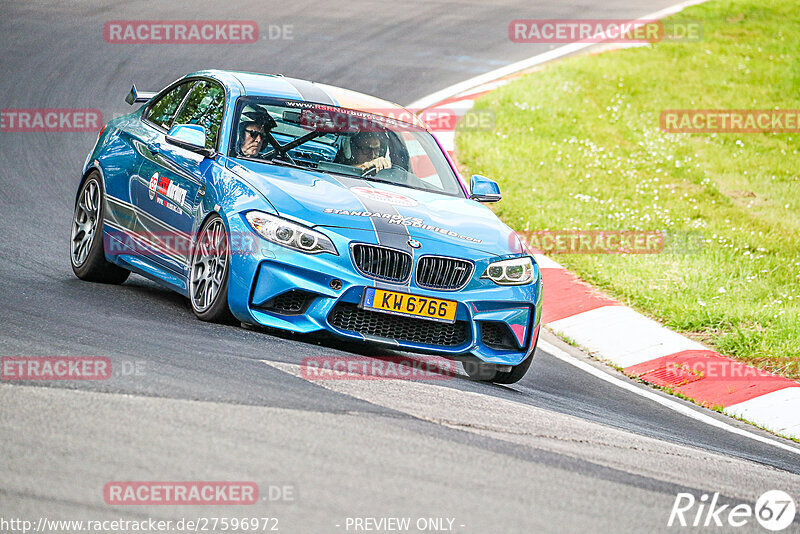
(87,256)
(208,280)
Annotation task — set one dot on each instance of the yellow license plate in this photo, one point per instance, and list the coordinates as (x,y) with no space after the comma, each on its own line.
(414,305)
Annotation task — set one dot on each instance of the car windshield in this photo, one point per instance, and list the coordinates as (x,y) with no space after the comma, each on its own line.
(340,141)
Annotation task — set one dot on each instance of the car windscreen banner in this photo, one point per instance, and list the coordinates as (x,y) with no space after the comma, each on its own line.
(324,118)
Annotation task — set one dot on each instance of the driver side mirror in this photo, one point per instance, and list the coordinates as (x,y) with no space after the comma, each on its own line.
(190,137)
(483,189)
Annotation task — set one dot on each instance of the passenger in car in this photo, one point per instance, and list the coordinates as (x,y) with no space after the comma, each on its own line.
(253,127)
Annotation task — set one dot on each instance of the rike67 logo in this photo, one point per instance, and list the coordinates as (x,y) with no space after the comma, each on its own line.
(774,510)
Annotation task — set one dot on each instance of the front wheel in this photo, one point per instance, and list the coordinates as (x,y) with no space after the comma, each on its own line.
(517,371)
(487,372)
(87,255)
(208,280)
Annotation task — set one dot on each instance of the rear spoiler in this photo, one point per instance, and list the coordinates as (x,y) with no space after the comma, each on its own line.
(135,97)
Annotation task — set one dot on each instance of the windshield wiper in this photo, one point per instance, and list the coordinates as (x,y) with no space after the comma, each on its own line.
(379,180)
(372,179)
(284,163)
(277,156)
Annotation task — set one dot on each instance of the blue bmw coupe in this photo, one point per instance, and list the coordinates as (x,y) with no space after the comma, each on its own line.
(305,207)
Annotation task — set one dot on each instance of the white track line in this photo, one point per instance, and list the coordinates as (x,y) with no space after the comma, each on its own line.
(466,85)
(659,399)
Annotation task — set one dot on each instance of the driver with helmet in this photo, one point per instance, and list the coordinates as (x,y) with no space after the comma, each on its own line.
(367,151)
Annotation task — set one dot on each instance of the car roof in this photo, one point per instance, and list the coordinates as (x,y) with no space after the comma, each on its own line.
(279,86)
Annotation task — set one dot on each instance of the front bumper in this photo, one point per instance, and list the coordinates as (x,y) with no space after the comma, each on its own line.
(277,287)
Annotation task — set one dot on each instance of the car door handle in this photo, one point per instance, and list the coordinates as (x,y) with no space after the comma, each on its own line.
(153,148)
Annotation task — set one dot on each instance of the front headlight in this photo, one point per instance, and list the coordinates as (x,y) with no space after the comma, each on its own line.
(289,234)
(513,272)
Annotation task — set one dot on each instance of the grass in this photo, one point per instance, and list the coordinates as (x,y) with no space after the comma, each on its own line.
(577,145)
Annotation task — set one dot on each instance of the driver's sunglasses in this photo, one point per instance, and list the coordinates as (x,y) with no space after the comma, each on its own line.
(375,150)
(255,134)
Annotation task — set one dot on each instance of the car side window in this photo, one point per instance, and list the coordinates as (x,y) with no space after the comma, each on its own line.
(204,106)
(162,111)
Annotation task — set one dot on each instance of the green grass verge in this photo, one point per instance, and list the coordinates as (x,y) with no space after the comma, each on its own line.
(577,145)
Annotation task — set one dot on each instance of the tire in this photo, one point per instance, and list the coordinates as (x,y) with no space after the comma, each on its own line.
(478,370)
(208,272)
(517,371)
(487,372)
(87,254)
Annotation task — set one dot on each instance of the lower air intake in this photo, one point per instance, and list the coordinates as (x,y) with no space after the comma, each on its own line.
(351,318)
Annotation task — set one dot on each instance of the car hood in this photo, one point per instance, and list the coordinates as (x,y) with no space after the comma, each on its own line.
(394,213)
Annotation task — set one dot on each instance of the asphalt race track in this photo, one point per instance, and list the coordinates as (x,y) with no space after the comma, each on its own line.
(561,451)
